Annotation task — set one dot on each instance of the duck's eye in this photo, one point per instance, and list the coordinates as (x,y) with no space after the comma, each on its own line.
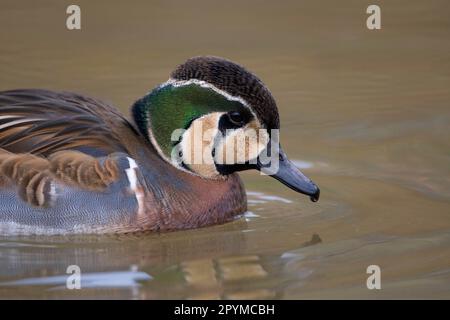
(236,118)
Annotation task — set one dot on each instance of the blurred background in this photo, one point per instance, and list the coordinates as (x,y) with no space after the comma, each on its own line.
(364,113)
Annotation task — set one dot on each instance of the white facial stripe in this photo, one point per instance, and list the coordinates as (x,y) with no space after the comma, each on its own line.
(157,147)
(204,84)
(134,184)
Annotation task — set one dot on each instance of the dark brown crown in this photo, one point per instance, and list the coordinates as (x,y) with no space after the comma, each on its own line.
(235,80)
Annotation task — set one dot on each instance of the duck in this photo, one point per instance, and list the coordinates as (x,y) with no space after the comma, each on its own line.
(74,164)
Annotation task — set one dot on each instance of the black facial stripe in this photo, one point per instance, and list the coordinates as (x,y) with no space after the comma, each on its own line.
(185,167)
(226,123)
(225,169)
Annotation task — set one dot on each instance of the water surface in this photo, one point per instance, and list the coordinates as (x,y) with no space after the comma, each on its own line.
(366,114)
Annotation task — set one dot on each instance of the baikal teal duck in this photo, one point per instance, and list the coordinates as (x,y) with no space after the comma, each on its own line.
(74,164)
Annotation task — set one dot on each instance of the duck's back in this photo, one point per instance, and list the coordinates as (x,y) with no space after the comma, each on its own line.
(43,122)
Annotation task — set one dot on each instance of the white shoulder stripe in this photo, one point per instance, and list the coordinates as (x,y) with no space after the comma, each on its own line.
(134,184)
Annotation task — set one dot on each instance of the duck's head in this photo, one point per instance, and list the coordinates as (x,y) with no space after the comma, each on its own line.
(213,118)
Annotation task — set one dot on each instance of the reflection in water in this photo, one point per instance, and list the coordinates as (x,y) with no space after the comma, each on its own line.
(210,278)
(223,278)
(261,198)
(42,270)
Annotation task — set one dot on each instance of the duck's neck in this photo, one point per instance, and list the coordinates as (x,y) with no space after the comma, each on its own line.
(174,199)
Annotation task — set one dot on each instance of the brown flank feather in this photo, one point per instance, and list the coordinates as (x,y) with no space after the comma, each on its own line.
(33,175)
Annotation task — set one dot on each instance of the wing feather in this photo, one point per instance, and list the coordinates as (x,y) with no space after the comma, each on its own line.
(43,122)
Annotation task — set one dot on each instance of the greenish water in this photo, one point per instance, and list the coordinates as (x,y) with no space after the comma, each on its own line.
(366,114)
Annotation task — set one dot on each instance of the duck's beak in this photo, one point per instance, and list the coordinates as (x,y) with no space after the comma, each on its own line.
(290,176)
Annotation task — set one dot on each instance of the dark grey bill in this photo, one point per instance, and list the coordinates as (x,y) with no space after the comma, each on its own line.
(289,175)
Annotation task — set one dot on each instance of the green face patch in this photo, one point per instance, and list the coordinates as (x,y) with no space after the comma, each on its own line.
(174,107)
